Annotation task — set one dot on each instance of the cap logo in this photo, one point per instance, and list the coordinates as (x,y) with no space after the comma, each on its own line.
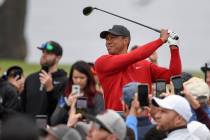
(49,47)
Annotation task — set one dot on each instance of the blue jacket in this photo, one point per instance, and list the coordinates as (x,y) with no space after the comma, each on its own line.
(205,108)
(139,125)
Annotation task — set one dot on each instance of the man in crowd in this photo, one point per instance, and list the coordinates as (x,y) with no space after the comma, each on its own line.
(42,88)
(120,67)
(141,115)
(200,91)
(11,86)
(172,116)
(206,70)
(108,125)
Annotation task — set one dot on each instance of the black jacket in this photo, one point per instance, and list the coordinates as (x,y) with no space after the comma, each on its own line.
(9,97)
(36,102)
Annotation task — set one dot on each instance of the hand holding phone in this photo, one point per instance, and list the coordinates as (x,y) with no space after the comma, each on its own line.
(45,67)
(143,95)
(81,105)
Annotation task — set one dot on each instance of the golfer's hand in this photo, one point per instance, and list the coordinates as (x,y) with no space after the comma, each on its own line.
(164,35)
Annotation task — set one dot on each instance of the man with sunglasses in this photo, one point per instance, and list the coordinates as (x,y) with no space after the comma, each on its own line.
(42,88)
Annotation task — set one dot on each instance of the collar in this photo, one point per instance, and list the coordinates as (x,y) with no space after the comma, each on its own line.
(173,129)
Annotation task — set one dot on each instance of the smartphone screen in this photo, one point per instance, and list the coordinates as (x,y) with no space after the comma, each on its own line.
(76,89)
(18,76)
(81,105)
(45,68)
(143,95)
(177,83)
(41,121)
(160,87)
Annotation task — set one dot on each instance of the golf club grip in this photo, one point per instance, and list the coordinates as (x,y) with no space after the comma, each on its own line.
(156,30)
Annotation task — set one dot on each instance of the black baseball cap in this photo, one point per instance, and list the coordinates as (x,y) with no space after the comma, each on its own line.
(52,47)
(118,30)
(206,67)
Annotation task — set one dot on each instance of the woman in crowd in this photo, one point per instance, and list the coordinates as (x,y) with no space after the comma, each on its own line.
(80,74)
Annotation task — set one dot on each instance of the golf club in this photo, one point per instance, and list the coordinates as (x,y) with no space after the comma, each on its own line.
(88,10)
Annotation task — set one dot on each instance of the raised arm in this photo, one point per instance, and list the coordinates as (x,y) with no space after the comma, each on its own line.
(111,63)
(175,67)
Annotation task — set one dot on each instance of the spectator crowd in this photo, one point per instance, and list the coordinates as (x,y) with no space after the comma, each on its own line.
(123,95)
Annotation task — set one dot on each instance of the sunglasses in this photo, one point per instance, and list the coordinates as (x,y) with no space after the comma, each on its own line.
(47,47)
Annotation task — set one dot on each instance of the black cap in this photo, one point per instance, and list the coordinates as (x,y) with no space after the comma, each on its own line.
(206,67)
(118,30)
(52,47)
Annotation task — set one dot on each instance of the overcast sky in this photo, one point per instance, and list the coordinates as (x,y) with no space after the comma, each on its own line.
(63,21)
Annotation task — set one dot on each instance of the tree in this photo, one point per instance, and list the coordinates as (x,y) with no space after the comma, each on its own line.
(12,23)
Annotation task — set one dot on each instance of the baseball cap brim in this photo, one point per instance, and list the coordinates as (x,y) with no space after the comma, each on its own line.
(103,34)
(161,103)
(204,69)
(94,119)
(40,48)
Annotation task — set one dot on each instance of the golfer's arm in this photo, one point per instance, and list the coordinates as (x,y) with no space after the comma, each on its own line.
(113,63)
(175,63)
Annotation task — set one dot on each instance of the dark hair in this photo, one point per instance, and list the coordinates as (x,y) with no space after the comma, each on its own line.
(19,127)
(130,135)
(90,88)
(12,72)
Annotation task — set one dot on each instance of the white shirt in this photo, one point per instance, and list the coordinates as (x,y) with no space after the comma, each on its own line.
(198,129)
(181,134)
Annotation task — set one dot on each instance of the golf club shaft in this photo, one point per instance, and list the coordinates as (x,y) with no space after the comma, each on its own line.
(156,30)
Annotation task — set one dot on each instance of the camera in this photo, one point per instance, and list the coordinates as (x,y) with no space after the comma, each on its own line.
(143,95)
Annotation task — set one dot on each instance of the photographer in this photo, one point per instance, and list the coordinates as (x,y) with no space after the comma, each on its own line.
(135,115)
(193,87)
(90,100)
(42,88)
(11,86)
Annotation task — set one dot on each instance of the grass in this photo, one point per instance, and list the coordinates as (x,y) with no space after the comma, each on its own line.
(32,67)
(27,67)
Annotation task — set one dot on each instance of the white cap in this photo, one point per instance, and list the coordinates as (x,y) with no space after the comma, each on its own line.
(198,88)
(176,103)
(199,130)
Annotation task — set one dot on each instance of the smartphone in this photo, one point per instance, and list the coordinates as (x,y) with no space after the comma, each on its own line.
(41,121)
(178,84)
(143,95)
(81,105)
(160,87)
(76,89)
(17,73)
(45,67)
